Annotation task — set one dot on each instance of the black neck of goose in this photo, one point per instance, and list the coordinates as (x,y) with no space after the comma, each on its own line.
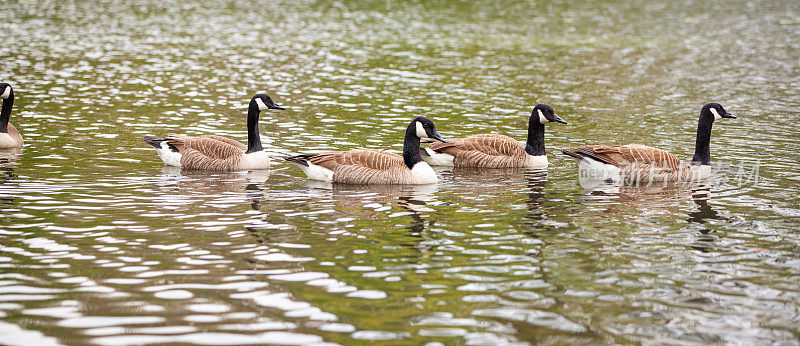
(253,137)
(411,154)
(535,143)
(702,150)
(5,114)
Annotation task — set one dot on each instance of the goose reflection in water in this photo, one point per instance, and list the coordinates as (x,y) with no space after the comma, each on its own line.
(704,240)
(662,197)
(205,182)
(374,202)
(700,196)
(352,198)
(536,180)
(655,196)
(10,156)
(9,159)
(199,183)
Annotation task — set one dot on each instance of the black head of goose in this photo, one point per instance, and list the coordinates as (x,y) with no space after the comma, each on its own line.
(702,146)
(497,151)
(541,114)
(259,102)
(9,136)
(370,166)
(420,127)
(218,153)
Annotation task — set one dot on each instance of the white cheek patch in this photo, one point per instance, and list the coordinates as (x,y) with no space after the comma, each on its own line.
(542,118)
(716,115)
(6,93)
(261,105)
(421,131)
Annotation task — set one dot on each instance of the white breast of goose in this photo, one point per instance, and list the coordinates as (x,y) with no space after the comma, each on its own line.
(255,160)
(537,161)
(6,141)
(422,173)
(699,172)
(438,159)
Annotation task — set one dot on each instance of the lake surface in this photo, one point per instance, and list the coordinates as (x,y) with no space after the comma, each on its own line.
(102,244)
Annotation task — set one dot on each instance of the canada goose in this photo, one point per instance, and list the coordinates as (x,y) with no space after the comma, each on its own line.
(9,136)
(636,164)
(217,153)
(369,166)
(496,151)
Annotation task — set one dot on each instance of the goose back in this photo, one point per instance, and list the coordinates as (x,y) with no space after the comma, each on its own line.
(210,145)
(368,166)
(485,150)
(639,163)
(624,155)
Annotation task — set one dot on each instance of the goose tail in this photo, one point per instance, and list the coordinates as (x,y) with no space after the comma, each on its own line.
(312,170)
(573,153)
(166,151)
(299,159)
(160,143)
(155,142)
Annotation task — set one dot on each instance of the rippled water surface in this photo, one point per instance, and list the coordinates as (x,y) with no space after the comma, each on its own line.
(102,244)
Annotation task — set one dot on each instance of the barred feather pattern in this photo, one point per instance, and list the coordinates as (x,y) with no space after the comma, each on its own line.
(209,152)
(640,163)
(364,166)
(210,145)
(484,150)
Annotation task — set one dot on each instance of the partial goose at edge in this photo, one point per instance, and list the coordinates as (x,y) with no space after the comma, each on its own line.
(9,136)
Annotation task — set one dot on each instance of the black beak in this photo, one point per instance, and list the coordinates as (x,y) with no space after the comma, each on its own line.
(558,119)
(437,137)
(276,106)
(728,115)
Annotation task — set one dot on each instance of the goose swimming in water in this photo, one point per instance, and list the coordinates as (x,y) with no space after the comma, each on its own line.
(9,136)
(370,166)
(496,151)
(217,153)
(637,164)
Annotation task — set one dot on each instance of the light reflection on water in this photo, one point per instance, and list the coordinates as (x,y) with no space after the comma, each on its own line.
(101,244)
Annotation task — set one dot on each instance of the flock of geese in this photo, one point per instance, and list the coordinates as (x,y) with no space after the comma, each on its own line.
(627,164)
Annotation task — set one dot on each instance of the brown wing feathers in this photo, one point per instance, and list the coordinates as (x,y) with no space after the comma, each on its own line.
(485,150)
(207,152)
(213,146)
(196,159)
(360,166)
(625,155)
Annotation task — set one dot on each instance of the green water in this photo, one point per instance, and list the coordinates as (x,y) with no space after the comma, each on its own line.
(102,244)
